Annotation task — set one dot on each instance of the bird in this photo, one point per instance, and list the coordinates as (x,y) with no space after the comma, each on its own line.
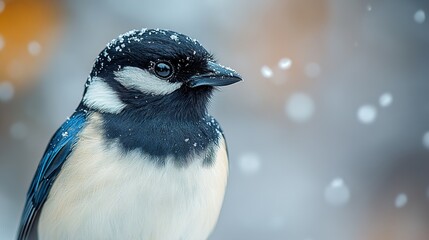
(140,157)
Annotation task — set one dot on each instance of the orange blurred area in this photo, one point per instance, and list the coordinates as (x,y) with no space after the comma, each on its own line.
(28,30)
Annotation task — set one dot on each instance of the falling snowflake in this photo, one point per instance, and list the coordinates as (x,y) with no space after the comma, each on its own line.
(18,130)
(285,63)
(426,140)
(385,100)
(337,193)
(266,72)
(6,91)
(419,16)
(312,70)
(366,114)
(1,42)
(400,200)
(34,48)
(249,163)
(369,8)
(2,6)
(299,107)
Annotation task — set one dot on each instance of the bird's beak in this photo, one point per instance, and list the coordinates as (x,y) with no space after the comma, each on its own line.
(218,75)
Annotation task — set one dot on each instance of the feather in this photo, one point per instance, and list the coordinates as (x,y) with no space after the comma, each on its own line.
(54,157)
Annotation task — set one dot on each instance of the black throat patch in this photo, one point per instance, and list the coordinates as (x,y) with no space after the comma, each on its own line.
(163,138)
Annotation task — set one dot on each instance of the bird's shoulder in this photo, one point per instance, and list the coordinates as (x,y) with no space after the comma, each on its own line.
(56,153)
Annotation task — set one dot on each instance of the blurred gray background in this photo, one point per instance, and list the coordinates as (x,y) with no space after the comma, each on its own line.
(328,134)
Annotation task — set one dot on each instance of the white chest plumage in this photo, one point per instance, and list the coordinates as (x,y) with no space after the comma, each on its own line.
(104,193)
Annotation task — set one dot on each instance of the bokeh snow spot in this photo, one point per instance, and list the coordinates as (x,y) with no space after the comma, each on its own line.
(385,99)
(285,63)
(299,107)
(1,42)
(369,8)
(426,140)
(312,70)
(266,72)
(337,193)
(366,114)
(2,6)
(400,200)
(249,163)
(6,91)
(18,130)
(420,16)
(34,48)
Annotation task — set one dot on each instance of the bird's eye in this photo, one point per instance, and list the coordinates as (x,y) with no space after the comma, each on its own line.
(163,70)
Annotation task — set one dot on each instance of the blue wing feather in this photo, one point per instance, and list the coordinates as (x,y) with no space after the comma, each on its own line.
(55,155)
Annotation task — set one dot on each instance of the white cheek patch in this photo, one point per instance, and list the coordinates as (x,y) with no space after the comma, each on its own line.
(102,97)
(136,78)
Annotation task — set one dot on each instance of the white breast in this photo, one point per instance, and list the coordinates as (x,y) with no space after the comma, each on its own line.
(103,193)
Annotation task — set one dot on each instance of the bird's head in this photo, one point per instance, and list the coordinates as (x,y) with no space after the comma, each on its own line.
(155,73)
